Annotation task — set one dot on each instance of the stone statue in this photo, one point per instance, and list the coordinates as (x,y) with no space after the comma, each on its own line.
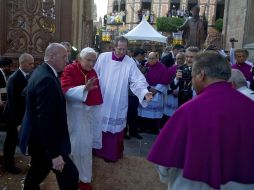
(194,29)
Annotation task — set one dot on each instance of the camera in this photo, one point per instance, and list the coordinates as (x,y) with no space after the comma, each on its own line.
(185,87)
(186,72)
(233,40)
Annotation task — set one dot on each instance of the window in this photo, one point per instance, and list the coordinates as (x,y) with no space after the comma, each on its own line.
(146,4)
(122,5)
(220,9)
(115,6)
(192,3)
(175,4)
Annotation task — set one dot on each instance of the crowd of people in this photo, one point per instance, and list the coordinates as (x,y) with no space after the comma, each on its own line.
(115,18)
(147,14)
(174,12)
(198,103)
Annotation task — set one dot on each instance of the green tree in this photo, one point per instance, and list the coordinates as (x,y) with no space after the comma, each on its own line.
(168,24)
(219,24)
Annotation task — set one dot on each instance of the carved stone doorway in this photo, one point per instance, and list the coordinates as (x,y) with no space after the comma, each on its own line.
(30,25)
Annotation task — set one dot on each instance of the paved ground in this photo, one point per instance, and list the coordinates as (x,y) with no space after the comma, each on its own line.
(136,147)
(134,156)
(133,146)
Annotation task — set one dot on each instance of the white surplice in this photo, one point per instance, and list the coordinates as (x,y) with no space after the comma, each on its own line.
(247,92)
(84,130)
(175,180)
(115,78)
(170,103)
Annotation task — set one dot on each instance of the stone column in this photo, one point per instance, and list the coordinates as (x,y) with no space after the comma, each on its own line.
(132,12)
(156,7)
(82,23)
(63,20)
(132,7)
(184,4)
(76,23)
(87,24)
(249,27)
(160,7)
(238,22)
(110,5)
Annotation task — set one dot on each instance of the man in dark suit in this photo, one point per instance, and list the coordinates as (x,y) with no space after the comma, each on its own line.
(4,67)
(15,108)
(45,124)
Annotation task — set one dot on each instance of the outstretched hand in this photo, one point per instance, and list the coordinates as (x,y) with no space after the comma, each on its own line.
(91,84)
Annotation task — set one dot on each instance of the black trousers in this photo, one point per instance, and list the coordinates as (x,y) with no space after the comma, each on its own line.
(132,114)
(10,143)
(164,120)
(148,125)
(40,167)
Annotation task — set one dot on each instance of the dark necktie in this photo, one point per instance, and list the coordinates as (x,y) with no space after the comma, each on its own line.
(27,76)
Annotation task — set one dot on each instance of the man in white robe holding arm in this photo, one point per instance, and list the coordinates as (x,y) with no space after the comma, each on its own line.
(117,72)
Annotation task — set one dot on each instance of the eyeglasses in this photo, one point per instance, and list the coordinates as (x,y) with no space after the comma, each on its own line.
(151,58)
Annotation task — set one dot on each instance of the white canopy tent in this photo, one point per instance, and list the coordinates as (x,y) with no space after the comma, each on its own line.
(144,31)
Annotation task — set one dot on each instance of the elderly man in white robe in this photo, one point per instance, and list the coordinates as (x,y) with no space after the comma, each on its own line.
(82,91)
(117,72)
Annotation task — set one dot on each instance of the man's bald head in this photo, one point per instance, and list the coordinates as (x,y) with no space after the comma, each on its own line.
(152,58)
(56,56)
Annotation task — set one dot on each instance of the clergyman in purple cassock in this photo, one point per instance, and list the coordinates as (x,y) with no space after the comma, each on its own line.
(208,142)
(241,56)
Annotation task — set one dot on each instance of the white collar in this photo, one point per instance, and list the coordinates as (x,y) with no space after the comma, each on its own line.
(23,72)
(53,69)
(2,71)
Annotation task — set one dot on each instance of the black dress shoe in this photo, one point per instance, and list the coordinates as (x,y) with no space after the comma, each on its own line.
(108,161)
(136,135)
(12,170)
(127,137)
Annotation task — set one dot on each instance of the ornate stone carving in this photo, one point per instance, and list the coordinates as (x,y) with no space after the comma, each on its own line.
(87,34)
(30,25)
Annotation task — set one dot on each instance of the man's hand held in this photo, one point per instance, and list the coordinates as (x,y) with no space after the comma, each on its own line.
(58,163)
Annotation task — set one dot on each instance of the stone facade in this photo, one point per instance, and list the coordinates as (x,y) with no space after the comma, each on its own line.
(160,7)
(238,22)
(82,23)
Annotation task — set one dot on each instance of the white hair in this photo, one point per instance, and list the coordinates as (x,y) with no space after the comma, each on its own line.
(237,78)
(84,52)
